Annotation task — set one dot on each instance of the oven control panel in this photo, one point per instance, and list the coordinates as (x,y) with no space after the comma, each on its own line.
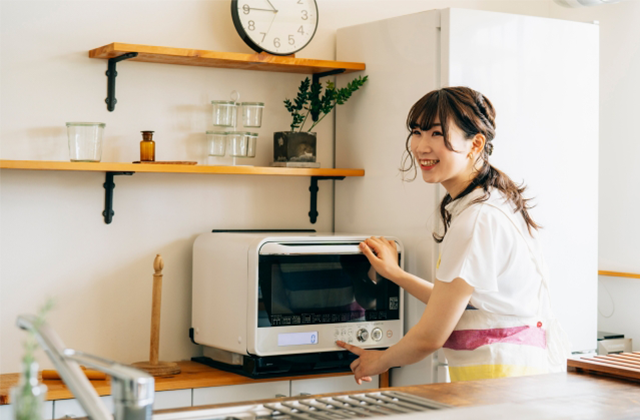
(360,334)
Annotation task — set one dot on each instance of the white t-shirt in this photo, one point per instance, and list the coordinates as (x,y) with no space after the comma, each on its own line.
(484,248)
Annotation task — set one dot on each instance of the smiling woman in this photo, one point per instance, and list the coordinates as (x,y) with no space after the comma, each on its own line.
(489,305)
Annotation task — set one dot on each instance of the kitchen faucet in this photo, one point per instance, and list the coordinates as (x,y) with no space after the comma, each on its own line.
(132,389)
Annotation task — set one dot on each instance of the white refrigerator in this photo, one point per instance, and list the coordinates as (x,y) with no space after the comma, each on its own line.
(542,77)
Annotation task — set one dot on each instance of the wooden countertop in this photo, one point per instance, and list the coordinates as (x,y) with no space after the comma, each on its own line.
(193,375)
(571,395)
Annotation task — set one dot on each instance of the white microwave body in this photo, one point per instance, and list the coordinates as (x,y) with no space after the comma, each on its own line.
(261,294)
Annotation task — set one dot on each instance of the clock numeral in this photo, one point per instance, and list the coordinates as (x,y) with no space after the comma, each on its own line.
(291,40)
(252,25)
(246,9)
(301,30)
(264,34)
(305,15)
(276,42)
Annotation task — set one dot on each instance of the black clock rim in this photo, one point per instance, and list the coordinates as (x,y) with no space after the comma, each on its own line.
(247,39)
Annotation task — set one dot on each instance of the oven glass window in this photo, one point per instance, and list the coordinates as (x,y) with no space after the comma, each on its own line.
(321,289)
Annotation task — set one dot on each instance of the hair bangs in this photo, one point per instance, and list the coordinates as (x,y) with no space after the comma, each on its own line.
(425,112)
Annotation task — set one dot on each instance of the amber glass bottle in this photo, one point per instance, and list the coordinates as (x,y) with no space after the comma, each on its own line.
(147,147)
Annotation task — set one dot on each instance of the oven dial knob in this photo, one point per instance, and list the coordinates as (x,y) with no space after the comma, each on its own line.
(362,335)
(376,334)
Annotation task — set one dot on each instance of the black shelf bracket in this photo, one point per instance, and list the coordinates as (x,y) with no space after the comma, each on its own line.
(313,189)
(111,79)
(316,79)
(109,185)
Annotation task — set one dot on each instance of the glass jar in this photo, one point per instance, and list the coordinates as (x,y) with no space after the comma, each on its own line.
(85,141)
(27,398)
(217,142)
(147,147)
(252,114)
(224,113)
(237,143)
(252,142)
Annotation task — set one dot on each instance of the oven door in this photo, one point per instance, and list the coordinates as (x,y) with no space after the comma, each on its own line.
(311,294)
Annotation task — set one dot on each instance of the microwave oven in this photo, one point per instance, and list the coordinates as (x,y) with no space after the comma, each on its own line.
(276,302)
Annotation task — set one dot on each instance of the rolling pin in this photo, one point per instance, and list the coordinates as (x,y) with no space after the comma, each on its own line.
(92,375)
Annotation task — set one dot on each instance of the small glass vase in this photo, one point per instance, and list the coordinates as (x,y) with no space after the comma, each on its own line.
(27,398)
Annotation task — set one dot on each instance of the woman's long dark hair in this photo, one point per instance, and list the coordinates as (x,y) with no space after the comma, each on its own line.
(474,114)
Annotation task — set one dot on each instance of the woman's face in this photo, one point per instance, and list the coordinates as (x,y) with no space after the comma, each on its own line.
(454,170)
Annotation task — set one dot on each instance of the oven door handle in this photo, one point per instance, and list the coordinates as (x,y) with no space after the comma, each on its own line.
(280,249)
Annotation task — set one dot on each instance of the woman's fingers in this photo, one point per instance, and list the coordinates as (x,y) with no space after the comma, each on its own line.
(353,349)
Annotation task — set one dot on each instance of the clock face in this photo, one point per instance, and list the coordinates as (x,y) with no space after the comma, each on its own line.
(280,27)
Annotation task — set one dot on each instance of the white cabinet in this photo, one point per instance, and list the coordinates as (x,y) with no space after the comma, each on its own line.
(327,385)
(72,408)
(6,411)
(237,393)
(172,399)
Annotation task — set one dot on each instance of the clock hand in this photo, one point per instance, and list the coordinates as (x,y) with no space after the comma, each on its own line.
(274,18)
(274,9)
(264,10)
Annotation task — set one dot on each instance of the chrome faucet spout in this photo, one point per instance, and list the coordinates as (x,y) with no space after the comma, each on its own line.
(132,389)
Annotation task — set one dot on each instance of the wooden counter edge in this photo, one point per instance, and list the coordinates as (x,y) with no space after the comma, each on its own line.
(194,375)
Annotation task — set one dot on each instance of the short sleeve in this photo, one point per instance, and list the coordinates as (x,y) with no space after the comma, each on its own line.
(469,249)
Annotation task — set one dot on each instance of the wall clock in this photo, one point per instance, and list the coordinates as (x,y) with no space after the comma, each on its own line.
(279,27)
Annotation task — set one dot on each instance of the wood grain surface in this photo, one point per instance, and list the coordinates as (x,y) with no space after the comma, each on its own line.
(192,375)
(623,365)
(184,169)
(569,395)
(227,60)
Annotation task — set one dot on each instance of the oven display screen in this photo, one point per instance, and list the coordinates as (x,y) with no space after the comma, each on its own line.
(298,339)
(323,289)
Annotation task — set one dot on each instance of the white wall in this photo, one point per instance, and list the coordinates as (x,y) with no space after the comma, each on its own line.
(53,241)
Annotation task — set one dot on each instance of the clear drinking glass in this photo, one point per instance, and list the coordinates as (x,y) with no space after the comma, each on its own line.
(224,113)
(237,143)
(27,398)
(85,141)
(217,142)
(252,114)
(252,140)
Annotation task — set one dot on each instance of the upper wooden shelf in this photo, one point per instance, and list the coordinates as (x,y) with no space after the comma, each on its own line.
(184,169)
(228,60)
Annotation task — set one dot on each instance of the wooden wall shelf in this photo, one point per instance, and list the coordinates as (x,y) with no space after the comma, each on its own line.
(182,169)
(113,169)
(116,52)
(227,60)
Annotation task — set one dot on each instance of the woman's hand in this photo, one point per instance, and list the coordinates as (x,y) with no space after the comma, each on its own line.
(368,364)
(383,256)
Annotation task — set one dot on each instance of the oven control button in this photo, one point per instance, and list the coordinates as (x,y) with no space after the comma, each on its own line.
(362,335)
(376,334)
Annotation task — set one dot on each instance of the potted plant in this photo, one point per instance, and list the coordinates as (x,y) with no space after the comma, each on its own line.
(299,144)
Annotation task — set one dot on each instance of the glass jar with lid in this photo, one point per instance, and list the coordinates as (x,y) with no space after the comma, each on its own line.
(237,143)
(224,113)
(217,143)
(252,143)
(252,114)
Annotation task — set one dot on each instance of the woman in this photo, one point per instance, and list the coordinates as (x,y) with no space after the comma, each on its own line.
(488,306)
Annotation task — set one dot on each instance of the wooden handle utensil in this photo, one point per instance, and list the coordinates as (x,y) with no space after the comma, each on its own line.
(154,367)
(92,375)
